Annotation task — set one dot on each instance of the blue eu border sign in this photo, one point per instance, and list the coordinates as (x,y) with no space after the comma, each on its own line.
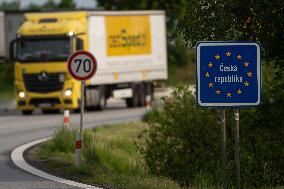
(228,74)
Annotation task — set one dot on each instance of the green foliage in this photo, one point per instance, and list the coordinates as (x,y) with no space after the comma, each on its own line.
(110,158)
(180,137)
(63,140)
(178,54)
(173,8)
(236,20)
(50,5)
(6,76)
(262,146)
(184,140)
(116,150)
(89,148)
(10,6)
(67,4)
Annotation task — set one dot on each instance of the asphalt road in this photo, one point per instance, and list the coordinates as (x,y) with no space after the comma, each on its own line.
(16,130)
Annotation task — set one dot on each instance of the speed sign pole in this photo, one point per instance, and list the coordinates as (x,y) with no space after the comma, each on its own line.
(82,66)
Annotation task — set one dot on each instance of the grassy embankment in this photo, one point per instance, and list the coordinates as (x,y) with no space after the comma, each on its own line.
(6,81)
(110,158)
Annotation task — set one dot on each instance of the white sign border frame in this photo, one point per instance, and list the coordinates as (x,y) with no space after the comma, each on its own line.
(259,78)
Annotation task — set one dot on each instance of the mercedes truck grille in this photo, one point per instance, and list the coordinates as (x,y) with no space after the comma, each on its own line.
(43,82)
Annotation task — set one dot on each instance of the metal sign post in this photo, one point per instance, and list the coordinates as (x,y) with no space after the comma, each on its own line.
(80,137)
(81,65)
(224,151)
(237,149)
(82,107)
(228,75)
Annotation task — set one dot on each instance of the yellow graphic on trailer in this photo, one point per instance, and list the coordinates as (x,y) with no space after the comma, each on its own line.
(128,35)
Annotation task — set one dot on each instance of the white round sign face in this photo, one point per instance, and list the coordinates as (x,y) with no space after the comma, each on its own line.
(82,65)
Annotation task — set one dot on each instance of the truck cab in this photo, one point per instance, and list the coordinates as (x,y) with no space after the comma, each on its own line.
(43,44)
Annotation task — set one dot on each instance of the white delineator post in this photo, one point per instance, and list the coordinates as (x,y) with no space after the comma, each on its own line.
(66,119)
(78,148)
(148,102)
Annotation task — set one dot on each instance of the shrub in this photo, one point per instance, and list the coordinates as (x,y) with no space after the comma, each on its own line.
(184,140)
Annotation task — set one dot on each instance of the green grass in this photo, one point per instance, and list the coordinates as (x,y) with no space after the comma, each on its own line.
(110,158)
(6,81)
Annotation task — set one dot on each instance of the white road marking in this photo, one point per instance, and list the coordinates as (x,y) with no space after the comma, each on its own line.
(18,159)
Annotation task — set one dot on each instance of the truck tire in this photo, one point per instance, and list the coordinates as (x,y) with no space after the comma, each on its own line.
(142,95)
(102,99)
(97,99)
(134,101)
(27,112)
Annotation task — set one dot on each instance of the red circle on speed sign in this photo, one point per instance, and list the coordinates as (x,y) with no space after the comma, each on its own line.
(82,65)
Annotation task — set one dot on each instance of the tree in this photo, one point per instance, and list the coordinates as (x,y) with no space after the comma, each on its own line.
(173,8)
(51,5)
(67,4)
(252,20)
(34,7)
(12,6)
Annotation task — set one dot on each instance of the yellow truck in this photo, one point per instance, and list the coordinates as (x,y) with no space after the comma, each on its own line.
(130,48)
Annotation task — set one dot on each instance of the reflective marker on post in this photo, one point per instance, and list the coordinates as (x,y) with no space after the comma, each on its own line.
(66,118)
(78,147)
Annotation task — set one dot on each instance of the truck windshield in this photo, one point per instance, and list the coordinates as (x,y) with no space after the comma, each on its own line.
(47,49)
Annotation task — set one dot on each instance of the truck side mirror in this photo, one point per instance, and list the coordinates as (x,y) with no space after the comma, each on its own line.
(79,44)
(12,49)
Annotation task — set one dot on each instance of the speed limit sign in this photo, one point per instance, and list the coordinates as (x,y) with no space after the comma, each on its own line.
(82,65)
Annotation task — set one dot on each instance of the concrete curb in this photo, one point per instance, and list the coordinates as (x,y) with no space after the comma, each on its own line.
(18,159)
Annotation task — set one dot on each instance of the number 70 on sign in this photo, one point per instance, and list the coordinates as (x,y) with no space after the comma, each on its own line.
(82,65)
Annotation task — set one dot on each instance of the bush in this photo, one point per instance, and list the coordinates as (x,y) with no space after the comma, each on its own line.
(180,139)
(184,140)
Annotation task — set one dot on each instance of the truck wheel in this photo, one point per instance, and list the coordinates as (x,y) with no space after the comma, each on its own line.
(102,99)
(134,101)
(27,112)
(142,95)
(149,90)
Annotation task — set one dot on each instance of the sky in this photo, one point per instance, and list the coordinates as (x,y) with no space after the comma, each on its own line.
(79,3)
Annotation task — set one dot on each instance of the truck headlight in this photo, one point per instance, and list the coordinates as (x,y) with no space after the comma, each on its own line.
(68,92)
(71,33)
(22,94)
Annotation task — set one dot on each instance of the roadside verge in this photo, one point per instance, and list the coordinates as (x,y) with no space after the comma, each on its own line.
(17,157)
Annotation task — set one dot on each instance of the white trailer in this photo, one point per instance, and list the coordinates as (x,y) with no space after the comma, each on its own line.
(130,47)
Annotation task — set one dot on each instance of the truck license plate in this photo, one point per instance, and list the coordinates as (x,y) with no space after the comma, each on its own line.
(44,105)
